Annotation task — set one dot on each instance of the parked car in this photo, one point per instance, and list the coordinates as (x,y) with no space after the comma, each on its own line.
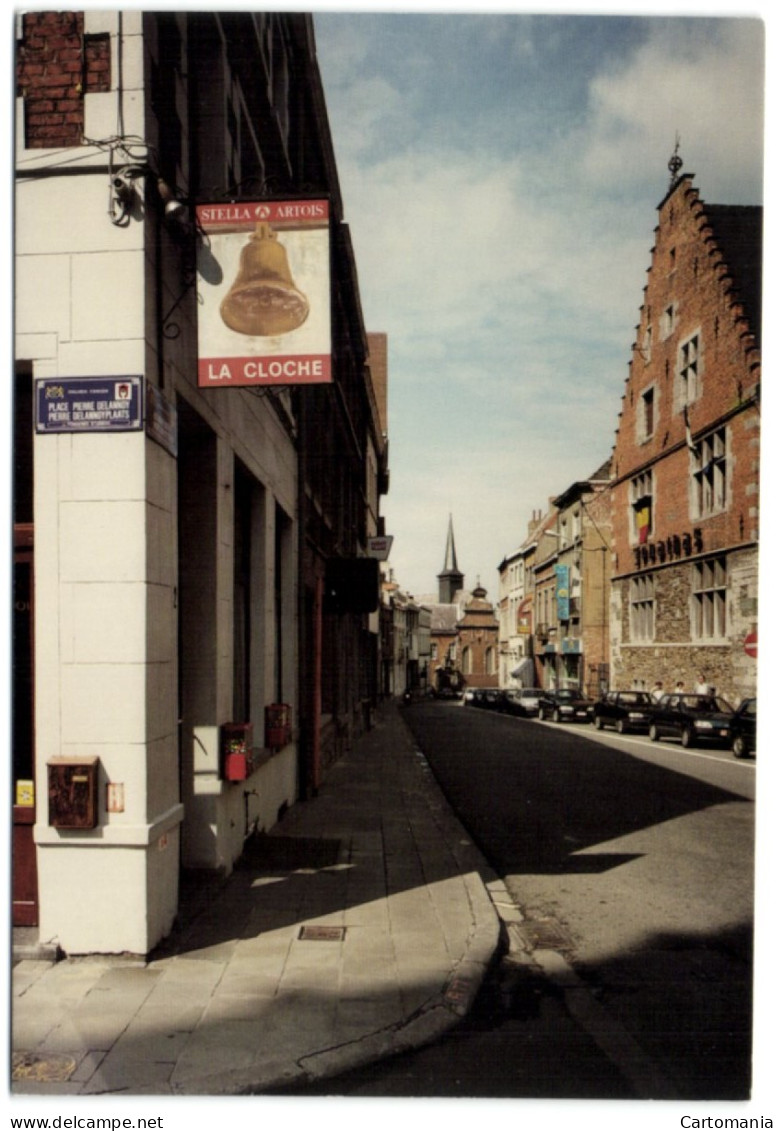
(743,729)
(566,705)
(624,710)
(489,698)
(469,696)
(522,700)
(529,698)
(691,718)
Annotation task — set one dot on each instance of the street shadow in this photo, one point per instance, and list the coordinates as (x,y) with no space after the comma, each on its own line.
(540,797)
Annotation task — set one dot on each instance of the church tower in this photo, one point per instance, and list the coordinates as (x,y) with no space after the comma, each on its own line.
(450,580)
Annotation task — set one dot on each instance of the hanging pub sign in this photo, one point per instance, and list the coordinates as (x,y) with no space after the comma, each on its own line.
(380,546)
(88,404)
(264,294)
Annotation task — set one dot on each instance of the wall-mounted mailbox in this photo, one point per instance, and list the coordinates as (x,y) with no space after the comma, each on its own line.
(237,751)
(277,726)
(73,792)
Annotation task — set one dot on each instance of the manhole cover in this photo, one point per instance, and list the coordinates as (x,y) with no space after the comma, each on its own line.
(322,934)
(542,934)
(52,1069)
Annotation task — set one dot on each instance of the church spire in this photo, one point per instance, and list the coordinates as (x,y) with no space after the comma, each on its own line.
(450,580)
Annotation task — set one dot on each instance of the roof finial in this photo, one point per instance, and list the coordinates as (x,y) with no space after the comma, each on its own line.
(675,163)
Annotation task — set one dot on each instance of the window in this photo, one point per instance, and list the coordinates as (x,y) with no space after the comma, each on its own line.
(709,599)
(688,371)
(641,491)
(465,662)
(709,474)
(668,321)
(641,608)
(645,348)
(645,415)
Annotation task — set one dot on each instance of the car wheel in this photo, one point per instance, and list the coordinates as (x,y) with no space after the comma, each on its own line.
(653,733)
(542,715)
(556,716)
(620,726)
(598,722)
(687,738)
(740,747)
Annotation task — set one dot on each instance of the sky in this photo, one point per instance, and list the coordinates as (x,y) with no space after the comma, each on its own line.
(500,175)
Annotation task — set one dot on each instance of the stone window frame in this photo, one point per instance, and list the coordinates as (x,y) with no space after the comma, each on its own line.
(647,413)
(642,608)
(688,370)
(668,321)
(709,599)
(641,493)
(709,475)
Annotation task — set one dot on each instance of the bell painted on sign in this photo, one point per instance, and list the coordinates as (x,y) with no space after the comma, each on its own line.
(264,299)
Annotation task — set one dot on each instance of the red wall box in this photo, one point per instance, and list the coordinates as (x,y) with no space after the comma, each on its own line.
(277,725)
(237,750)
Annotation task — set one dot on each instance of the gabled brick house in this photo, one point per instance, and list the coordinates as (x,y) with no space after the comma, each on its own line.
(685,495)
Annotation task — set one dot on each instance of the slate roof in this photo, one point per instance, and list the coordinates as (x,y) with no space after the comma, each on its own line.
(738,233)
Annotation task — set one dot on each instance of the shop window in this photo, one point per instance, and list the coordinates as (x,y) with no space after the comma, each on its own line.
(709,599)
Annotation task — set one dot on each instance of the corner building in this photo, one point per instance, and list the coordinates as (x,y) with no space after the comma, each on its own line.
(195,637)
(686,464)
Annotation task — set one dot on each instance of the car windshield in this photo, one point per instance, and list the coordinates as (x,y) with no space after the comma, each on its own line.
(705,703)
(633,698)
(568,693)
(529,693)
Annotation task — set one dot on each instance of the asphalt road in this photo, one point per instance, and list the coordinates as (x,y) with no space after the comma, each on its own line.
(635,861)
(643,855)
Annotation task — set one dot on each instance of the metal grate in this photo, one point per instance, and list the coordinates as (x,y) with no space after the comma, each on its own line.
(322,934)
(52,1068)
(542,934)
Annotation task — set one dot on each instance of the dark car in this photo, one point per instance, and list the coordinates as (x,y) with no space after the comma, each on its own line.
(566,705)
(491,698)
(691,718)
(743,729)
(624,710)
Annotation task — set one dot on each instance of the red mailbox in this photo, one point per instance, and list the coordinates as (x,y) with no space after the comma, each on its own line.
(277,725)
(237,751)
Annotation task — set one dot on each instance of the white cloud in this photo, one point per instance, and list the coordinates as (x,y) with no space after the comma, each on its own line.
(696,84)
(508,267)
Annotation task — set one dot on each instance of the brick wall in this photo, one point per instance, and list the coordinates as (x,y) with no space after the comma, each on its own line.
(690,295)
(56,65)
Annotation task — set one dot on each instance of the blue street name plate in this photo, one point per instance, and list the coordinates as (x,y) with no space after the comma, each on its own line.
(88,404)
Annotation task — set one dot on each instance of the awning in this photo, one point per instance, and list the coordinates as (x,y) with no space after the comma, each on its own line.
(524,671)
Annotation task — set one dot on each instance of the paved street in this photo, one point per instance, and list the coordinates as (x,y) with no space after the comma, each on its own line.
(634,861)
(642,855)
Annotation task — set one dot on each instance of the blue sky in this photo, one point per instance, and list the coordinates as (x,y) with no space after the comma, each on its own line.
(500,175)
